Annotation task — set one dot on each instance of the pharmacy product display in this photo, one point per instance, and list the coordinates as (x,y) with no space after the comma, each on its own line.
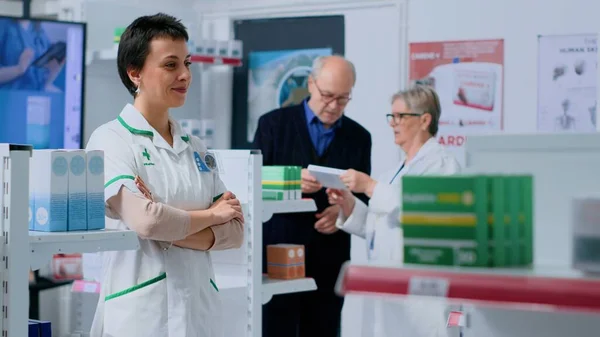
(24,250)
(285,261)
(482,220)
(66,190)
(281,183)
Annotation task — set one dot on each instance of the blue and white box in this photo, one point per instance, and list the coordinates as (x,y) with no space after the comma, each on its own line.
(77,191)
(95,189)
(34,329)
(51,190)
(45,327)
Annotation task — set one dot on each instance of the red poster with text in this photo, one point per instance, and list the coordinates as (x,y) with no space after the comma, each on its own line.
(468,77)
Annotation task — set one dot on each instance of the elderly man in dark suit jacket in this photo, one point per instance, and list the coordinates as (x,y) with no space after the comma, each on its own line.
(313,132)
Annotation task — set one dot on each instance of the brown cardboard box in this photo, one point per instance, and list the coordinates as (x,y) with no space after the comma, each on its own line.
(285,261)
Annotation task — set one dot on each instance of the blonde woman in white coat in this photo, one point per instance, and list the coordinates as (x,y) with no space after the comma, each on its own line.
(414,120)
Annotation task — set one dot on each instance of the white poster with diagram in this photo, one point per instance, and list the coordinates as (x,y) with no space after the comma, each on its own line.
(567,83)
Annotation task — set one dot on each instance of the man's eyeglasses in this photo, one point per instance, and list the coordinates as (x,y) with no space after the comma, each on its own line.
(329,97)
(399,116)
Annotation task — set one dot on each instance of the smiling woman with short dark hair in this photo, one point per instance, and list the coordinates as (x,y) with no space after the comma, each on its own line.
(163,184)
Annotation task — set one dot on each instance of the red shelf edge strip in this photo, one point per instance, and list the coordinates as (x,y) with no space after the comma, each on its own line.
(574,294)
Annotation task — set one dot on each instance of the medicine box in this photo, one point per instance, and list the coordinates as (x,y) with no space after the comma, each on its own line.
(77,191)
(95,189)
(285,261)
(51,189)
(514,235)
(445,220)
(526,219)
(281,182)
(297,178)
(235,48)
(481,220)
(499,221)
(511,220)
(44,327)
(586,233)
(34,329)
(328,177)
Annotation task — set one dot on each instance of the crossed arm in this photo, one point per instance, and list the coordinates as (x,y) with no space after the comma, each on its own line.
(218,228)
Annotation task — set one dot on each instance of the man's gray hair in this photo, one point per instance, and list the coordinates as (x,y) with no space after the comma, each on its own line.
(422,99)
(319,62)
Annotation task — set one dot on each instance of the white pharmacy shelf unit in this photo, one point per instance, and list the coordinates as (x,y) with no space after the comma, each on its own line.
(235,272)
(271,207)
(45,244)
(530,289)
(273,287)
(22,249)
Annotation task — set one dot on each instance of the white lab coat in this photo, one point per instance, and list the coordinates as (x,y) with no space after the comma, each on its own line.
(159,290)
(378,224)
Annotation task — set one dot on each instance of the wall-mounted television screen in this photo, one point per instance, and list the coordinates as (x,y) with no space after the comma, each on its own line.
(42,66)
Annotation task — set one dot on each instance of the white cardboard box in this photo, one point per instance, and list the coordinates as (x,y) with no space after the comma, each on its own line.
(77,191)
(51,190)
(327,176)
(95,189)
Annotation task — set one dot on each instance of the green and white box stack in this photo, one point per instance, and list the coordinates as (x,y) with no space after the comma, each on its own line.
(281,182)
(483,221)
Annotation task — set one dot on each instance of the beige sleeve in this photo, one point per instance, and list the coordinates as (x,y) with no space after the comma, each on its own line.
(228,236)
(150,220)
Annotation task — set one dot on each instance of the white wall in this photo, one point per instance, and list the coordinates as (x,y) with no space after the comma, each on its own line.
(38,8)
(519,23)
(105,94)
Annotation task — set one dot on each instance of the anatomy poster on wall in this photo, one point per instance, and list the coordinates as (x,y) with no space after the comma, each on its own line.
(567,78)
(468,77)
(277,79)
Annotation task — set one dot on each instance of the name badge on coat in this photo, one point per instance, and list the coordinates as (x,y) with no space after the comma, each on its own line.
(200,163)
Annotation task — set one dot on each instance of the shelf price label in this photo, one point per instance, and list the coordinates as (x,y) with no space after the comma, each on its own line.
(428,286)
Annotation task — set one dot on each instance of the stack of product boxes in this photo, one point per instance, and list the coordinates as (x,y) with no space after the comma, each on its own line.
(281,182)
(479,220)
(66,190)
(284,261)
(39,328)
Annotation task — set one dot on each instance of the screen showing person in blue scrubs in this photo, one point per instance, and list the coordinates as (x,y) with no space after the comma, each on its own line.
(41,82)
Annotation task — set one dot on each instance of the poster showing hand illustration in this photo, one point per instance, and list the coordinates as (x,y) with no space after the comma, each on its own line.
(567,78)
(468,77)
(277,79)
